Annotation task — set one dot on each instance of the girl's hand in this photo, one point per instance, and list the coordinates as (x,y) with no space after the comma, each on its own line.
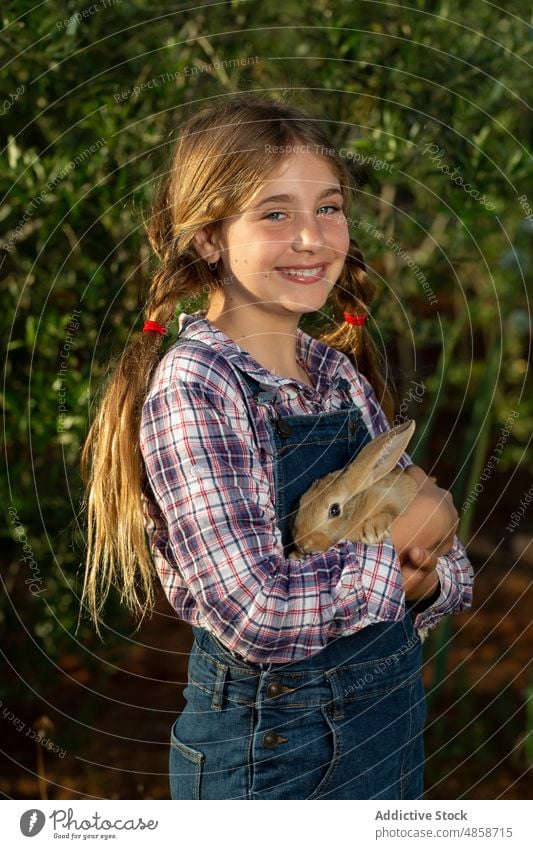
(420,578)
(429,522)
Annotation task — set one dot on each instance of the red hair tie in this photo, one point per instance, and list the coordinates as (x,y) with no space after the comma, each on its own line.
(355,319)
(154,325)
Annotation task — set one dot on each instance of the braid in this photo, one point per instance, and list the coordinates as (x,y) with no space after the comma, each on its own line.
(117,548)
(354,293)
(164,292)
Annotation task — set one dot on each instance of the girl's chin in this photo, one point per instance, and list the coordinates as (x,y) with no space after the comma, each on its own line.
(296,307)
(306,298)
(305,304)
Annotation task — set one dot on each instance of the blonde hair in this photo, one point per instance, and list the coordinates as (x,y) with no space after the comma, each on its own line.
(219,163)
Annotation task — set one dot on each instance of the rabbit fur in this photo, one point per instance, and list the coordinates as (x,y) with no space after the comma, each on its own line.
(359,502)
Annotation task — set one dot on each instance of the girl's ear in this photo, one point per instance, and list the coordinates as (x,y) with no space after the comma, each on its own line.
(205,243)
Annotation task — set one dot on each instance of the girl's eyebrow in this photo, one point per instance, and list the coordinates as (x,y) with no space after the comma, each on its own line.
(332,190)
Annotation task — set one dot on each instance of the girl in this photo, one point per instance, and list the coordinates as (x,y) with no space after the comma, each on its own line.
(304,679)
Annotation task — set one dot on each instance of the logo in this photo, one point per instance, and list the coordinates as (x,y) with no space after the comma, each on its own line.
(31,822)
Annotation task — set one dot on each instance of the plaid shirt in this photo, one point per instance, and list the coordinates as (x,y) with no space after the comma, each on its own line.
(209,507)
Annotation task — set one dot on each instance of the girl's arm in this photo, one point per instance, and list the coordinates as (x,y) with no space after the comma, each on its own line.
(430,521)
(206,474)
(429,525)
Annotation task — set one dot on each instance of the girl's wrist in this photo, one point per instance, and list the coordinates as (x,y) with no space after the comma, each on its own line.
(423,603)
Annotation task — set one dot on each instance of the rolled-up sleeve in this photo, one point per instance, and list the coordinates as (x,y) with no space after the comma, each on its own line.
(456,576)
(205,472)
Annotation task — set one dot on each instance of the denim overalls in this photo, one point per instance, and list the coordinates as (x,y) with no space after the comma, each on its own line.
(344,723)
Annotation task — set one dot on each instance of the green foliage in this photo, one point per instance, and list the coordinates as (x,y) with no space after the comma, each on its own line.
(88,133)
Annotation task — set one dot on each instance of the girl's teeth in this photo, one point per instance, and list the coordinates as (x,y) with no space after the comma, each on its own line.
(312,272)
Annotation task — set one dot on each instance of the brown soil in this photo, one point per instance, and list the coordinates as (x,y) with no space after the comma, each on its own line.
(115,729)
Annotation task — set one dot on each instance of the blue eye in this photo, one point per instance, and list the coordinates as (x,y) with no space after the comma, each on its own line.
(274,213)
(333,207)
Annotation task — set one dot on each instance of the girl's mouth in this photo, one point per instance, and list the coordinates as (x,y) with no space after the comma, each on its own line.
(307,274)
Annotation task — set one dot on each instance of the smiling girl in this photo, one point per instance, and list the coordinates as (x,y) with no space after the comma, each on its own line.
(304,679)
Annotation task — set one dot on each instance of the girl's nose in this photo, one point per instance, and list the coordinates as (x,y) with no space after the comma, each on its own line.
(307,233)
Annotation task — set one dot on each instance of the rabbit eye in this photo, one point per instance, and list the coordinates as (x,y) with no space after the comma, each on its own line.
(334,510)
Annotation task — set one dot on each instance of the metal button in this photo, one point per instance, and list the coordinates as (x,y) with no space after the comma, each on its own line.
(271,739)
(283,428)
(274,689)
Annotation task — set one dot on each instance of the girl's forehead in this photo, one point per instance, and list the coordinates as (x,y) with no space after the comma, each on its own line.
(300,171)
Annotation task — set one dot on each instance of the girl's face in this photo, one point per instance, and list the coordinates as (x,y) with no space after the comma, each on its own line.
(286,250)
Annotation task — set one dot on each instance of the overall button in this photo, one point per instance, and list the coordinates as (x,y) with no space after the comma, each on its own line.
(283,428)
(271,739)
(275,688)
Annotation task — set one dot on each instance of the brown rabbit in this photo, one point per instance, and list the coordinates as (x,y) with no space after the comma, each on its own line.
(359,502)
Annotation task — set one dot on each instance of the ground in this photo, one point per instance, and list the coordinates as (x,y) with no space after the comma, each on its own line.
(113,732)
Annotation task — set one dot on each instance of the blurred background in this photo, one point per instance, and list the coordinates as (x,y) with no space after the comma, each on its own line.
(429,103)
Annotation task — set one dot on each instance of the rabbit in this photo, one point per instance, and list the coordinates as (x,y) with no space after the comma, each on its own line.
(359,502)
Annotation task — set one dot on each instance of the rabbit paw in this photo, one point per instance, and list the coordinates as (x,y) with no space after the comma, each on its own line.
(296,555)
(375,529)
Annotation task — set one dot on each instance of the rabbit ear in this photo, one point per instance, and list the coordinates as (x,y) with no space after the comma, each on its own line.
(378,458)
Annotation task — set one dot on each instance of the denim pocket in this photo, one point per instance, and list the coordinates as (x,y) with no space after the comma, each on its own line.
(185,769)
(333,736)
